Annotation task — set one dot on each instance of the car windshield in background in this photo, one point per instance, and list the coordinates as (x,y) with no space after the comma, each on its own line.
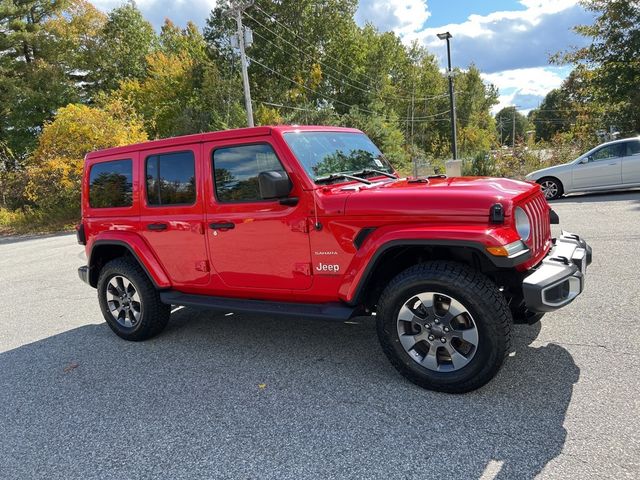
(326,154)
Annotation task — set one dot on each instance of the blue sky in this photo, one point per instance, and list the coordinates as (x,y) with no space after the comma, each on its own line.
(509,40)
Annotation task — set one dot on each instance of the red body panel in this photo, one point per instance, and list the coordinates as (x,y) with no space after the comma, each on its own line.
(303,252)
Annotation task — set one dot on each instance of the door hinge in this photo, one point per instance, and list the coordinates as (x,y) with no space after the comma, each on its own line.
(303,269)
(203,266)
(302,227)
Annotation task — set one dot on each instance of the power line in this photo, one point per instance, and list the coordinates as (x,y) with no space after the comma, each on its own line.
(330,112)
(300,84)
(280,105)
(325,97)
(273,19)
(331,76)
(324,73)
(309,55)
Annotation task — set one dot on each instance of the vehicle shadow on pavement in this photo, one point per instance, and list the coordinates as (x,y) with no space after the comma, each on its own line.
(9,239)
(260,397)
(595,197)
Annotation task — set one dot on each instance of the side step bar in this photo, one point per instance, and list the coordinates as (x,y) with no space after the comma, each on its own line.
(324,311)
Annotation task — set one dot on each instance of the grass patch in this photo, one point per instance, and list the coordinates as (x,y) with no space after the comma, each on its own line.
(32,221)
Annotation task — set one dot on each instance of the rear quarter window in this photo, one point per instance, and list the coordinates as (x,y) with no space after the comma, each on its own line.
(111,184)
(633,148)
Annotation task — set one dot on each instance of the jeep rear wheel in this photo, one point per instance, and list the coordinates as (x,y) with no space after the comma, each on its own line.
(129,302)
(444,326)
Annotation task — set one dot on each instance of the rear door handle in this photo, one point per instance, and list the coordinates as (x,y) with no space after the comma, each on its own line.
(157,227)
(222,226)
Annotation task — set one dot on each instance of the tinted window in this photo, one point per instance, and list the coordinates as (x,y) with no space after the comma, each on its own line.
(171,179)
(236,171)
(111,184)
(610,151)
(633,148)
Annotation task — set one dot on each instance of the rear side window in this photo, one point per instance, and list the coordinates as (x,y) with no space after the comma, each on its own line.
(236,171)
(171,179)
(111,184)
(633,148)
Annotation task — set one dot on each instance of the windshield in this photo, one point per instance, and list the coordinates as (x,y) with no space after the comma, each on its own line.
(325,153)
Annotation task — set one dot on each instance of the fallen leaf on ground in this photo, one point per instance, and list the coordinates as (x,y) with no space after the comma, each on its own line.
(71,366)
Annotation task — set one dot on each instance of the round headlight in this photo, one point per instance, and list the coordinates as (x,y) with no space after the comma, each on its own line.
(523,225)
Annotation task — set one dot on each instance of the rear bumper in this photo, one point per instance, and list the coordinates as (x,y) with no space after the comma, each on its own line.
(83,273)
(559,279)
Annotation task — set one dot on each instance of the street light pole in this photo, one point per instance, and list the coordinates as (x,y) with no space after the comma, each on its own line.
(452,99)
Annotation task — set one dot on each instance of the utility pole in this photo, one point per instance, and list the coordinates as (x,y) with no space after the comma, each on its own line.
(413,107)
(513,134)
(452,101)
(235,11)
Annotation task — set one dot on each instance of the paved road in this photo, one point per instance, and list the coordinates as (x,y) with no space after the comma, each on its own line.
(253,397)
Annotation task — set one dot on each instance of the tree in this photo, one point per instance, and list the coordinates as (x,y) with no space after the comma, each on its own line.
(612,60)
(183,91)
(476,126)
(124,44)
(72,39)
(504,122)
(556,114)
(55,168)
(31,85)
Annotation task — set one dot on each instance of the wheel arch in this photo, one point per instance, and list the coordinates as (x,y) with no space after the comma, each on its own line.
(396,256)
(103,251)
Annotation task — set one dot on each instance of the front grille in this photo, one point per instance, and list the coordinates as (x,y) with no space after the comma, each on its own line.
(538,210)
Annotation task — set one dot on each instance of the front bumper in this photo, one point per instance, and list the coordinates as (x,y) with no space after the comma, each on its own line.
(559,279)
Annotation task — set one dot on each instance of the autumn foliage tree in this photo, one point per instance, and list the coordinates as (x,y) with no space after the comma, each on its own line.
(55,168)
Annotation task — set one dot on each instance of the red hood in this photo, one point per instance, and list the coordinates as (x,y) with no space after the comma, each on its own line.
(451,196)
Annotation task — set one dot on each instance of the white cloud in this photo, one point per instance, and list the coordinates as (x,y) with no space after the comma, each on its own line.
(511,39)
(405,17)
(525,87)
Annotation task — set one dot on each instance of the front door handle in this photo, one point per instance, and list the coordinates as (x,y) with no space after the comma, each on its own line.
(222,226)
(157,227)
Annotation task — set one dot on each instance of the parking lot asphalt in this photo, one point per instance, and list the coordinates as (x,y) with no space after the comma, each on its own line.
(241,396)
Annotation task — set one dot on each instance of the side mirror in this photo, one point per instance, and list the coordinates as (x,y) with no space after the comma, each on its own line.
(585,160)
(274,184)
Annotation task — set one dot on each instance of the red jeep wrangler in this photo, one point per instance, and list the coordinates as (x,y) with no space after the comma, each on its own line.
(313,222)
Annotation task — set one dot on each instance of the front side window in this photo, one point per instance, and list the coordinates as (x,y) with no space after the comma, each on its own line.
(610,151)
(111,184)
(171,179)
(326,153)
(236,170)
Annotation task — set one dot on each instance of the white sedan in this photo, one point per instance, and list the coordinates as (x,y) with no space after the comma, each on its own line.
(610,166)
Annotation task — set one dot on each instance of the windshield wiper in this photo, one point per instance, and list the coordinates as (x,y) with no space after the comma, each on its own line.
(369,171)
(336,176)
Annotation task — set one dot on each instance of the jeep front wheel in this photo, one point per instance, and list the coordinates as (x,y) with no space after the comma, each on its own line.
(129,302)
(444,326)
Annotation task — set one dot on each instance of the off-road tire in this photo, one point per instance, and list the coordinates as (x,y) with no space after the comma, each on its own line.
(154,315)
(559,189)
(481,298)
